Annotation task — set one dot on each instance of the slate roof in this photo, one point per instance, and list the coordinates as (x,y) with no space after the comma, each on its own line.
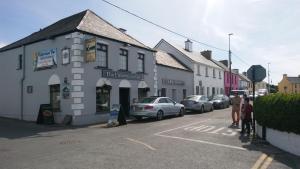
(294,79)
(194,56)
(166,59)
(220,64)
(86,22)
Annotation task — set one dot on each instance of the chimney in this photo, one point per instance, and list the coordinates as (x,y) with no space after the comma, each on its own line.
(236,71)
(225,62)
(122,30)
(206,54)
(245,73)
(284,75)
(188,45)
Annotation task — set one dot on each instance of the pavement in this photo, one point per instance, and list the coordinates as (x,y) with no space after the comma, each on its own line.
(195,141)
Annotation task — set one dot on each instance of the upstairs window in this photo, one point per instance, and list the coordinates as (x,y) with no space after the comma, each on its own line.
(214,73)
(101,55)
(124,59)
(198,70)
(206,71)
(220,76)
(141,63)
(20,62)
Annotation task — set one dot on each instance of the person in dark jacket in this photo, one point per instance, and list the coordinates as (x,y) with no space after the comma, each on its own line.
(246,117)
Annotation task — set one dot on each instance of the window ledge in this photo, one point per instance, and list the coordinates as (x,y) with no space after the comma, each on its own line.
(100,67)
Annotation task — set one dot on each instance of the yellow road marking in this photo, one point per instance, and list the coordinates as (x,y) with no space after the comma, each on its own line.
(263,162)
(139,142)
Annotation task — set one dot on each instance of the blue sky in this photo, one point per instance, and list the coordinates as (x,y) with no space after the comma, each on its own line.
(264,30)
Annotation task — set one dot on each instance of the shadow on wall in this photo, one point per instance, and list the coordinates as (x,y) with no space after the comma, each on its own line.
(15,129)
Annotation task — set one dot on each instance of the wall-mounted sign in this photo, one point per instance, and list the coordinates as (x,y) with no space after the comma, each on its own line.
(90,47)
(45,58)
(122,75)
(65,54)
(172,82)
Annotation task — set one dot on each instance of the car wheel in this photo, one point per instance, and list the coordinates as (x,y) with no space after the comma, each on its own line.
(212,108)
(181,113)
(202,109)
(160,115)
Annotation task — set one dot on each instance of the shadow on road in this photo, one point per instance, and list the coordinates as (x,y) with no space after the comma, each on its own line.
(15,129)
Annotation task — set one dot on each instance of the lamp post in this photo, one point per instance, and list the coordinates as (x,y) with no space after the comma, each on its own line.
(269,78)
(230,73)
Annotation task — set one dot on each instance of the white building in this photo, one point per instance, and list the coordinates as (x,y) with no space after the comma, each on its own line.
(208,78)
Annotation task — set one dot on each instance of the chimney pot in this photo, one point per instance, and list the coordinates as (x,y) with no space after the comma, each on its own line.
(188,45)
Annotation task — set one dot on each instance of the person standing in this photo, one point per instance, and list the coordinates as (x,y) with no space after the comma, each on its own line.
(247,110)
(236,102)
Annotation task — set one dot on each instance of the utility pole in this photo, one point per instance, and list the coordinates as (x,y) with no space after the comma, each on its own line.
(269,78)
(230,73)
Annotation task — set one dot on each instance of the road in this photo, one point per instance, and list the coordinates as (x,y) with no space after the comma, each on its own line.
(195,141)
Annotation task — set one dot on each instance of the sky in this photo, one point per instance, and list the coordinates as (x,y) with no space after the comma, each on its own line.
(264,31)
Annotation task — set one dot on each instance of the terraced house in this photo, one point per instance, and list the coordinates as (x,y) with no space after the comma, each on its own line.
(80,65)
(208,78)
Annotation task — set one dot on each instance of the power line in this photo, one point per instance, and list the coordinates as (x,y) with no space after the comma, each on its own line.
(165,28)
(241,59)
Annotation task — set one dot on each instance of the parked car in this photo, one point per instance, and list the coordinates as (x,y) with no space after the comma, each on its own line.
(156,107)
(241,93)
(197,103)
(220,101)
(251,95)
(262,92)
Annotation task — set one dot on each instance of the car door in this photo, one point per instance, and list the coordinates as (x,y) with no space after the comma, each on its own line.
(205,103)
(164,105)
(172,106)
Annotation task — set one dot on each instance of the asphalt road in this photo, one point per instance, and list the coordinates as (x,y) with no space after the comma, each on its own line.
(194,141)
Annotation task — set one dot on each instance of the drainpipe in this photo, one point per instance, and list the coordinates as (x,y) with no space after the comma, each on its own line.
(22,83)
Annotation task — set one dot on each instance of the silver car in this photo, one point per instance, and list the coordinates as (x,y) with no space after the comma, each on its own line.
(156,107)
(197,103)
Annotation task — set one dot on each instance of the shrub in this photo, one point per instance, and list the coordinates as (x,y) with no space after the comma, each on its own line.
(279,111)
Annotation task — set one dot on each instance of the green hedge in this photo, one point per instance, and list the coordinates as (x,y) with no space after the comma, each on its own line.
(279,111)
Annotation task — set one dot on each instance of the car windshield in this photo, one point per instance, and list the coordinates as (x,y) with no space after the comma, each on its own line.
(217,97)
(194,98)
(148,100)
(240,92)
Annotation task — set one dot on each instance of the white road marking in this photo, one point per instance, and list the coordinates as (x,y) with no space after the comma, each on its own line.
(181,127)
(216,131)
(230,133)
(139,142)
(201,141)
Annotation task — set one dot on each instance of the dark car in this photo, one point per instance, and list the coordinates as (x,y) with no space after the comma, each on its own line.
(220,101)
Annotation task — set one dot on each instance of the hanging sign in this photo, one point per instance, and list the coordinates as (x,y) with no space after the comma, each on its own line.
(46,58)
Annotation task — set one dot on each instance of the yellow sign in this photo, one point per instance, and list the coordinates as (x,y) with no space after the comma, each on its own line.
(90,53)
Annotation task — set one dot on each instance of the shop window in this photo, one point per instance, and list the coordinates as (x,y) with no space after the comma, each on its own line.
(213,91)
(103,99)
(101,55)
(183,93)
(55,97)
(163,92)
(124,59)
(20,62)
(141,63)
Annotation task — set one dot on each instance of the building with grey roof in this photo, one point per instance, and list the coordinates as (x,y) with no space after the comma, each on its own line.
(208,78)
(174,79)
(80,65)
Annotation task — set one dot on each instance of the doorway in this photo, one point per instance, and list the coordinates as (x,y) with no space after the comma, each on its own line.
(124,100)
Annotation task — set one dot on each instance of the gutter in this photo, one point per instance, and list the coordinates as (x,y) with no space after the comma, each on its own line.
(22,83)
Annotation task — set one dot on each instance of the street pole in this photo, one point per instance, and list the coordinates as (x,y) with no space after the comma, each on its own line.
(230,73)
(268,78)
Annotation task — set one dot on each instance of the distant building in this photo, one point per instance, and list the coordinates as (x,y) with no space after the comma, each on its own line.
(244,82)
(261,85)
(289,85)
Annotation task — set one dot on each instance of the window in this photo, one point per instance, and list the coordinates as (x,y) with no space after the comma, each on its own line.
(174,94)
(163,100)
(102,99)
(201,90)
(213,91)
(183,93)
(55,97)
(20,62)
(101,55)
(163,92)
(142,93)
(141,63)
(198,69)
(124,59)
(220,76)
(214,73)
(208,91)
(197,90)
(206,71)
